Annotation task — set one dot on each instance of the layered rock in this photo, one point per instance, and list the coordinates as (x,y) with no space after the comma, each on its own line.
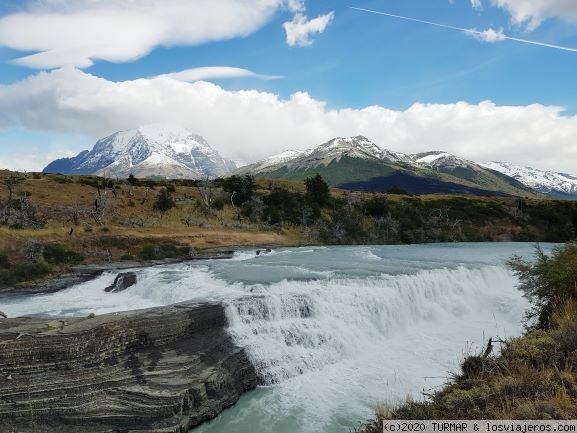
(160,370)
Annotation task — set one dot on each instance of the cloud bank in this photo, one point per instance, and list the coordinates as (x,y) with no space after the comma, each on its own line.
(80,32)
(248,124)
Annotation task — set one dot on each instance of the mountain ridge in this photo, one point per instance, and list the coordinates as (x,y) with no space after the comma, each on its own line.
(166,151)
(358,163)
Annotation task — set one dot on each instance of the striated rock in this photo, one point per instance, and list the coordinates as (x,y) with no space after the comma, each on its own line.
(162,370)
(122,282)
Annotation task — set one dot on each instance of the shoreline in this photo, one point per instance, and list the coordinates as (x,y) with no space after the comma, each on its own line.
(82,273)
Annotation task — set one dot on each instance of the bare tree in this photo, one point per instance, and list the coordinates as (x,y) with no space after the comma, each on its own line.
(206,190)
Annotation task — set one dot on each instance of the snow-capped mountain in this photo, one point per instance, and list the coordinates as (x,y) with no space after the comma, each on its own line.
(547,182)
(333,150)
(440,160)
(274,161)
(149,151)
(358,163)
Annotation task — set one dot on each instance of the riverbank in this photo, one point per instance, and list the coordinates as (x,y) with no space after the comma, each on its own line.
(532,377)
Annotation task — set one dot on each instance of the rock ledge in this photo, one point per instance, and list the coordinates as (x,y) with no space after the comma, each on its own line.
(162,370)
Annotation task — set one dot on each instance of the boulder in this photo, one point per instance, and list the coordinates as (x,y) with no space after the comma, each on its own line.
(122,282)
(2,315)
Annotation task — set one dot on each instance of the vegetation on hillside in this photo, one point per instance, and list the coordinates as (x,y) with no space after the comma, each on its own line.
(102,219)
(534,376)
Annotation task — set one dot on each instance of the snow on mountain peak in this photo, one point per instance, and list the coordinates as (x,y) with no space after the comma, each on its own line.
(150,150)
(548,182)
(160,137)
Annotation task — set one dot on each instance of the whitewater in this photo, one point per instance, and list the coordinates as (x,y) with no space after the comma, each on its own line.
(332,331)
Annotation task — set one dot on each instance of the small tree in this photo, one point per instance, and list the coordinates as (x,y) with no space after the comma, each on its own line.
(132,180)
(241,189)
(318,191)
(164,202)
(548,282)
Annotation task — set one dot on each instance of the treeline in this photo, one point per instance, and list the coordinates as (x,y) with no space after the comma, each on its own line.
(321,215)
(361,218)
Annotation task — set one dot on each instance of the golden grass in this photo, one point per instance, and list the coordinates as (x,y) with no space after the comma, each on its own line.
(130,220)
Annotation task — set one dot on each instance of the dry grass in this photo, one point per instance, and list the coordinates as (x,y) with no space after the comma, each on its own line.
(129,222)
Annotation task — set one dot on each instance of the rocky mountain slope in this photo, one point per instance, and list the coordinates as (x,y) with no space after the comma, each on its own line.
(149,151)
(559,185)
(359,164)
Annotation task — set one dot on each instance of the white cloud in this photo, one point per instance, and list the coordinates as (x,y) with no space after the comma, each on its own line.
(300,29)
(212,72)
(247,125)
(533,12)
(78,32)
(489,35)
(476,4)
(296,5)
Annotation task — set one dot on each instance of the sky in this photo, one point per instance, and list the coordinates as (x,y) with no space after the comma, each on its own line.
(482,79)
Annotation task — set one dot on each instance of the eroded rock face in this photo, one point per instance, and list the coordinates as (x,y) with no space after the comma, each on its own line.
(122,282)
(162,370)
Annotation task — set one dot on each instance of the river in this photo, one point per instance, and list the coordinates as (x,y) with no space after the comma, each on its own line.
(332,331)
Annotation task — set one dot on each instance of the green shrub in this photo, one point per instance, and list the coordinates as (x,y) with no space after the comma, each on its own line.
(23,272)
(164,202)
(170,187)
(163,250)
(548,282)
(4,262)
(60,255)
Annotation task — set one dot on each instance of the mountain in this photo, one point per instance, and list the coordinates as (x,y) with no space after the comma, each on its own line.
(558,185)
(359,164)
(149,151)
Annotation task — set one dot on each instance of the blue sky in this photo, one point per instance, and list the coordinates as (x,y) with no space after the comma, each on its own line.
(420,77)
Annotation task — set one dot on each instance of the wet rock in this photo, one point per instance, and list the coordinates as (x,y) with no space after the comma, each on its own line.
(122,282)
(2,315)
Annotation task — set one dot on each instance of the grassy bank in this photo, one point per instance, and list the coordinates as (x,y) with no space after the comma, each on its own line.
(534,376)
(92,220)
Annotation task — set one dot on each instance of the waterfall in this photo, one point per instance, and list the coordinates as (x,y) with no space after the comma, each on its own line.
(294,327)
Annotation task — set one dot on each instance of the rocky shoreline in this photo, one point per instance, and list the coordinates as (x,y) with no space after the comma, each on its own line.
(82,273)
(160,370)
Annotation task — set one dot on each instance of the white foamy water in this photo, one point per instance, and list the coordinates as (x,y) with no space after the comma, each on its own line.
(332,331)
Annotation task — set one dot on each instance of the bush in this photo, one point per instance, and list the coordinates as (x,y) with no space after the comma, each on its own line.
(170,187)
(241,188)
(60,255)
(23,272)
(162,250)
(4,262)
(548,282)
(164,202)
